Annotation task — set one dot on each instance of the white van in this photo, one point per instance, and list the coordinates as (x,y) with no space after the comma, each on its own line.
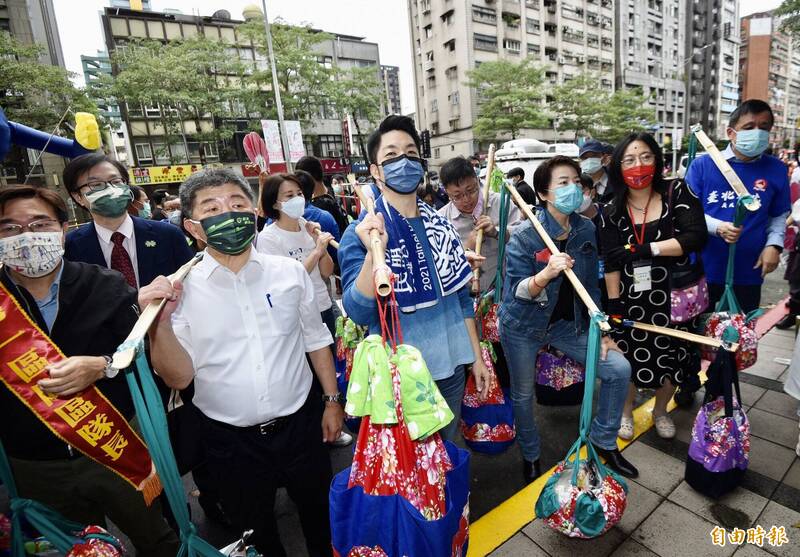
(529,154)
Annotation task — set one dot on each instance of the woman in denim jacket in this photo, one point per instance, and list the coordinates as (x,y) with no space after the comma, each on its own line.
(540,307)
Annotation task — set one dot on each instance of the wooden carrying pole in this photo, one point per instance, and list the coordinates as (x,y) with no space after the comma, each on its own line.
(476,274)
(570,274)
(383,281)
(683,335)
(123,358)
(730,176)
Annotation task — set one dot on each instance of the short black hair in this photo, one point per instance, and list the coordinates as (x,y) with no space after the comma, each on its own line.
(455,170)
(474,158)
(391,123)
(586,181)
(306,183)
(310,164)
(84,163)
(271,189)
(543,173)
(138,191)
(615,169)
(752,106)
(516,171)
(26,191)
(337,177)
(159,196)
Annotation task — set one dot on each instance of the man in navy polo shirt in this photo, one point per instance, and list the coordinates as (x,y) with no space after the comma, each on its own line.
(759,241)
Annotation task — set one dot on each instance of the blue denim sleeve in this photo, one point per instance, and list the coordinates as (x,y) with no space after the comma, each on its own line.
(466,301)
(359,307)
(519,265)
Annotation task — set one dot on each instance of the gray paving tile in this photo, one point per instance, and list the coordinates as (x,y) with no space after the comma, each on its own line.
(750,550)
(684,421)
(632,548)
(793,476)
(691,535)
(768,352)
(739,499)
(658,471)
(768,369)
(778,403)
(750,393)
(518,545)
(778,515)
(776,341)
(559,545)
(773,428)
(641,502)
(769,459)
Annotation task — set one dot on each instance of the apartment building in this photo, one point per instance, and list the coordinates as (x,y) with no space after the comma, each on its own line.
(651,56)
(712,45)
(770,71)
(153,155)
(450,37)
(391,85)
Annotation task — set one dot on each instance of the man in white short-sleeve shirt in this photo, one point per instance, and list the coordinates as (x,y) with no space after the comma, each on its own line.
(240,326)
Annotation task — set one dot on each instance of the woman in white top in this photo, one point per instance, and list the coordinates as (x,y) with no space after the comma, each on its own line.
(290,235)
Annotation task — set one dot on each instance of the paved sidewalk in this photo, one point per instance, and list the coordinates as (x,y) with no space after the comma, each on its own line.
(665,517)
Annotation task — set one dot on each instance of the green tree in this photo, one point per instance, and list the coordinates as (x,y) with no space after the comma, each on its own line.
(194,83)
(303,80)
(579,104)
(626,111)
(33,93)
(509,98)
(791,24)
(357,92)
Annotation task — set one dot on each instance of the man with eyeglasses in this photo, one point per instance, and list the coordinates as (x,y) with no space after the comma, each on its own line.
(465,210)
(86,312)
(140,249)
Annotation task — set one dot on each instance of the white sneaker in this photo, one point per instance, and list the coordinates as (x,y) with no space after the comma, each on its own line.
(625,428)
(343,440)
(797,448)
(665,427)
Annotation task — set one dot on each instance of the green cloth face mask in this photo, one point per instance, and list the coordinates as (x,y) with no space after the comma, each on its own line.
(110,202)
(230,233)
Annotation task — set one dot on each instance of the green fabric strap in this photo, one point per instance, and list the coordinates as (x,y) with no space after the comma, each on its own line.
(692,152)
(505,200)
(55,528)
(153,423)
(728,301)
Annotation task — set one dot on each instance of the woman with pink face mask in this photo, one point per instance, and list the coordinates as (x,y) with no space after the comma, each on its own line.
(651,232)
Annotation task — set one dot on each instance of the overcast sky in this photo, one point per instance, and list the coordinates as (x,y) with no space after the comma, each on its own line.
(382,21)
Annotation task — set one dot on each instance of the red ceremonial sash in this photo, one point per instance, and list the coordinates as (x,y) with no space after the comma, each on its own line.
(87,421)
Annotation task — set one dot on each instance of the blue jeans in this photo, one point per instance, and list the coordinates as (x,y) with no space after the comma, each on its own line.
(452,390)
(614,373)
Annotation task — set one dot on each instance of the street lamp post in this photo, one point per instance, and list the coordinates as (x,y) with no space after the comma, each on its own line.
(276,90)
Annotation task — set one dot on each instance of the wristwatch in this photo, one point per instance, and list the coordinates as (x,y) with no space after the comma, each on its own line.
(110,371)
(338,397)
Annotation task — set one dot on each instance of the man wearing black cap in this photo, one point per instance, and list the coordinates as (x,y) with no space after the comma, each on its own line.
(595,156)
(517,175)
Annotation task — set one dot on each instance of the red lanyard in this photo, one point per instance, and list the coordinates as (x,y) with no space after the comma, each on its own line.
(640,238)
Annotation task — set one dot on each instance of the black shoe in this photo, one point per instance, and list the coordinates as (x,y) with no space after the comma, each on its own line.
(684,398)
(531,470)
(617,462)
(787,322)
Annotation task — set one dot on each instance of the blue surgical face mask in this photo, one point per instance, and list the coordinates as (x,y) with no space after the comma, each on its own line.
(568,198)
(751,143)
(403,174)
(592,165)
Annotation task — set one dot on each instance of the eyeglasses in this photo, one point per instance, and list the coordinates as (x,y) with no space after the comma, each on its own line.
(644,158)
(9,229)
(100,185)
(472,192)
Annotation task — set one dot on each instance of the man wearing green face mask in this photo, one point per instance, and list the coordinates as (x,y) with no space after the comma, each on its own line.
(138,248)
(240,326)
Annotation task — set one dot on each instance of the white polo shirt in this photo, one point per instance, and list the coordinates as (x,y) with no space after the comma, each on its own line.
(247,335)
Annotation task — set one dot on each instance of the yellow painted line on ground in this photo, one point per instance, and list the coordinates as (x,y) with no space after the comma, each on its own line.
(501,523)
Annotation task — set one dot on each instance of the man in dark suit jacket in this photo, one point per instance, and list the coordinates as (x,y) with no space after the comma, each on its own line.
(139,249)
(517,175)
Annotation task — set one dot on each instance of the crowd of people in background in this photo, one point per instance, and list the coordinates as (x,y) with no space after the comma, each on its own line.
(248,336)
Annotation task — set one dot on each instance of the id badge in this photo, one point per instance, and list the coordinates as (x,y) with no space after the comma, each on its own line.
(642,276)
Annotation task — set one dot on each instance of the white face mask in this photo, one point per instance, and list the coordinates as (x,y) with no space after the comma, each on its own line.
(33,254)
(294,208)
(587,201)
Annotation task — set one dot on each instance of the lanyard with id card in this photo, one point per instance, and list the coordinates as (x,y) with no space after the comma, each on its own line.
(642,275)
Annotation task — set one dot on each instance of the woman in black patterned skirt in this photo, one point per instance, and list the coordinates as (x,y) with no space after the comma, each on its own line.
(651,230)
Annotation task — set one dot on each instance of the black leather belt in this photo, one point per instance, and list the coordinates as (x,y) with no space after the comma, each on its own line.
(267,428)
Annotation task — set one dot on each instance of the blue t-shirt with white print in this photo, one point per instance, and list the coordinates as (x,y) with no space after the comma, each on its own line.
(767,180)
